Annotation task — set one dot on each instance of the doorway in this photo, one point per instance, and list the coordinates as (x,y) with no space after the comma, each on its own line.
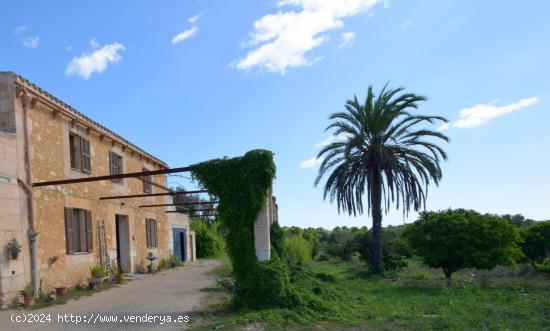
(123,243)
(180,241)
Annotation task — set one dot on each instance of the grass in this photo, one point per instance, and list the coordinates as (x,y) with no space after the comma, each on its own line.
(502,299)
(73,293)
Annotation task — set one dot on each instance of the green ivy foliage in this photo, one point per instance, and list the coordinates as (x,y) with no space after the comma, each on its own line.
(241,185)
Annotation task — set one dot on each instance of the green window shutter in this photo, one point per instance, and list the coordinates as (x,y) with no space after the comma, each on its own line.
(69,230)
(89,233)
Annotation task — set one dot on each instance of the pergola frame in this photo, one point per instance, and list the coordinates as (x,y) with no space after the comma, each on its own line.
(111,177)
(138,175)
(180,204)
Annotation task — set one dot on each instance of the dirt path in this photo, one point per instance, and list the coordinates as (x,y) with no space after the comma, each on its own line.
(171,293)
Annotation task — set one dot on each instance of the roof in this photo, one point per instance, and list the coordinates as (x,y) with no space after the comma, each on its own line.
(81,116)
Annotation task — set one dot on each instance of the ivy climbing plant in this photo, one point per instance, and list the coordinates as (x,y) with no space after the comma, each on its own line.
(241,185)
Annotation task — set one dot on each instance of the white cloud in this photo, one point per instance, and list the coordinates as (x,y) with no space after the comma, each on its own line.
(94,43)
(20,29)
(310,163)
(283,39)
(194,19)
(185,35)
(482,113)
(406,24)
(97,61)
(329,140)
(31,42)
(347,39)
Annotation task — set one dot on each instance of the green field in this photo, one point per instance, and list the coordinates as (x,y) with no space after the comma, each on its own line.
(414,299)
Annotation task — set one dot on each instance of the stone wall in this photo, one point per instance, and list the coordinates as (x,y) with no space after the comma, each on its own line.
(50,160)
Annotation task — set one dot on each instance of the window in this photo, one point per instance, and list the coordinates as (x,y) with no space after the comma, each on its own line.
(147,187)
(151,232)
(115,164)
(80,153)
(78,230)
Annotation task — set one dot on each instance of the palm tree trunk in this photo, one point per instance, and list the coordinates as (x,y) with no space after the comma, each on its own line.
(376,209)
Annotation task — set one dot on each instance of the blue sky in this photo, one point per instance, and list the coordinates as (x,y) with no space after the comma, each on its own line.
(193,80)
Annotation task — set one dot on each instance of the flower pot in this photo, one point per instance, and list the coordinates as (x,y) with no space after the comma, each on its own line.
(119,280)
(14,255)
(29,301)
(60,290)
(94,283)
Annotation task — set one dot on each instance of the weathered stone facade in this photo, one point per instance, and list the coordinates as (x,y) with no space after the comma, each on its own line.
(50,122)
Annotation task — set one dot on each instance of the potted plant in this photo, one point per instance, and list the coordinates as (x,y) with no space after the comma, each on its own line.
(119,276)
(61,290)
(14,248)
(97,272)
(28,295)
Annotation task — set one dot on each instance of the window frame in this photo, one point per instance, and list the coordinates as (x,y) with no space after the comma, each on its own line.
(113,156)
(151,233)
(78,231)
(80,157)
(147,187)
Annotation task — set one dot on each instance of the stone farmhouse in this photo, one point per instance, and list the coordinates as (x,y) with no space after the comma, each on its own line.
(64,230)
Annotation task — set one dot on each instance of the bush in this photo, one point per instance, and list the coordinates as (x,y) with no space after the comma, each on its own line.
(536,242)
(395,250)
(545,266)
(208,242)
(342,242)
(297,249)
(458,239)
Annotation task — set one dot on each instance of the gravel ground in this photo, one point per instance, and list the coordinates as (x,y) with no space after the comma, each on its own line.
(171,293)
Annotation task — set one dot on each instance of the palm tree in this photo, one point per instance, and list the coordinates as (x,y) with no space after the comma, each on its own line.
(380,150)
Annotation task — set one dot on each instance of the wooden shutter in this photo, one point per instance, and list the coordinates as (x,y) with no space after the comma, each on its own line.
(111,165)
(89,233)
(83,247)
(69,230)
(148,232)
(76,152)
(86,164)
(155,237)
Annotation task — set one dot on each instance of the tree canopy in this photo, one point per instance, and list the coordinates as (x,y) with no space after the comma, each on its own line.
(458,239)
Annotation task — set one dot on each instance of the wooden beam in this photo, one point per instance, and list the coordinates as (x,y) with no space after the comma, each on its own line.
(110,177)
(151,195)
(188,211)
(180,204)
(154,184)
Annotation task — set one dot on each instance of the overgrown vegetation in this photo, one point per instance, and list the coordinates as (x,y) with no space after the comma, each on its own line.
(241,185)
(209,242)
(502,299)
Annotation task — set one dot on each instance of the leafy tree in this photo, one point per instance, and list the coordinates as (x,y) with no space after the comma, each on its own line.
(458,239)
(518,220)
(208,242)
(297,249)
(536,242)
(395,249)
(379,150)
(341,242)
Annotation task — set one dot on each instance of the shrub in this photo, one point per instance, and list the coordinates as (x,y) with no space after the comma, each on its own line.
(395,250)
(277,235)
(297,249)
(536,242)
(208,242)
(457,239)
(342,242)
(98,271)
(545,266)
